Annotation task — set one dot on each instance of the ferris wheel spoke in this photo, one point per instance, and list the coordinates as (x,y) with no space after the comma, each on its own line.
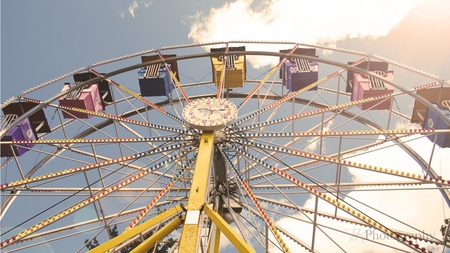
(337,108)
(97,140)
(118,118)
(329,159)
(145,101)
(242,191)
(334,217)
(88,167)
(222,74)
(361,150)
(350,133)
(342,206)
(262,215)
(174,77)
(80,205)
(266,219)
(294,94)
(161,193)
(106,159)
(264,80)
(280,192)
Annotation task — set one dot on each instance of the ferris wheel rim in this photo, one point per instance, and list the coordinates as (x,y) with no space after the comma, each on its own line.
(165,103)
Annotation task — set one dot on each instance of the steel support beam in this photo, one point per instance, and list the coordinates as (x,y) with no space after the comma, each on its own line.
(189,240)
(150,242)
(137,230)
(227,230)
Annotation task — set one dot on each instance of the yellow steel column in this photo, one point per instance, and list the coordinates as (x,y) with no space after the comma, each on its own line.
(214,245)
(158,236)
(197,195)
(217,240)
(217,233)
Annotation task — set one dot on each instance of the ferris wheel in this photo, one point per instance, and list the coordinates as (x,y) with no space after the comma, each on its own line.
(192,149)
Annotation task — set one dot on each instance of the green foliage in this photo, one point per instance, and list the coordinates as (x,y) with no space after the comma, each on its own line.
(444,228)
(92,244)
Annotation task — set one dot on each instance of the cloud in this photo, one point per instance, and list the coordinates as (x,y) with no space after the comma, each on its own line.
(132,7)
(312,146)
(122,14)
(146,4)
(135,5)
(318,22)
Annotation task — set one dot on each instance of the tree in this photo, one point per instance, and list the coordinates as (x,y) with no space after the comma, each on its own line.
(92,244)
(444,229)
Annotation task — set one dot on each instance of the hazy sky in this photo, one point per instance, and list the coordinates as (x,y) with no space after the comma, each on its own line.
(44,39)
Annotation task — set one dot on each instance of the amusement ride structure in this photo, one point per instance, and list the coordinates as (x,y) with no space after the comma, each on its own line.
(191,144)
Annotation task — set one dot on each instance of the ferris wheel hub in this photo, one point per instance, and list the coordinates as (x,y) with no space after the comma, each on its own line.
(210,113)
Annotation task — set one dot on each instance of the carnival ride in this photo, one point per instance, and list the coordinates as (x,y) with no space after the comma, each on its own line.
(189,143)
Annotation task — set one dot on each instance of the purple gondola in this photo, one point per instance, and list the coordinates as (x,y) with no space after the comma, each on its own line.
(37,119)
(297,73)
(23,131)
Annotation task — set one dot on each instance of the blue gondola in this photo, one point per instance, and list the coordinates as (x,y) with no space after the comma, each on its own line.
(433,95)
(433,121)
(155,79)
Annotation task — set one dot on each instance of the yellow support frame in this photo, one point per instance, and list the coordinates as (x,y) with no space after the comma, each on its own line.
(137,230)
(228,231)
(189,239)
(158,236)
(197,195)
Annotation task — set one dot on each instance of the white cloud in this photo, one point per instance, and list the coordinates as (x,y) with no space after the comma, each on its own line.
(132,7)
(317,22)
(311,147)
(122,14)
(146,4)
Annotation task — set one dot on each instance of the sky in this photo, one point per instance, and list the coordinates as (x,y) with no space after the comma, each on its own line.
(41,40)
(44,39)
